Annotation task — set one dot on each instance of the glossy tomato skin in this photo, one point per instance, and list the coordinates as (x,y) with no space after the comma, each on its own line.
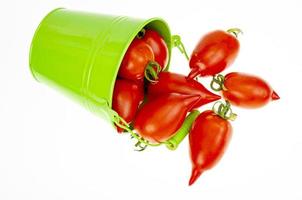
(169,82)
(135,61)
(127,96)
(247,91)
(159,47)
(208,138)
(160,118)
(214,52)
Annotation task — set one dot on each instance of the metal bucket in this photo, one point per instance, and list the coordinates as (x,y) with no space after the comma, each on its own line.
(80,53)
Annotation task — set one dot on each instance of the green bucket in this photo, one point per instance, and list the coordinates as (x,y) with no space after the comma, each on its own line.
(80,53)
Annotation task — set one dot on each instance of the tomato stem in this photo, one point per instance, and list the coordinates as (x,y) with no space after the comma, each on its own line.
(218,80)
(176,42)
(183,131)
(235,31)
(224,110)
(151,74)
(141,34)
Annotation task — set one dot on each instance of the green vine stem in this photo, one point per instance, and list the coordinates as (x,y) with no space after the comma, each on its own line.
(217,83)
(183,131)
(176,42)
(224,110)
(151,72)
(235,31)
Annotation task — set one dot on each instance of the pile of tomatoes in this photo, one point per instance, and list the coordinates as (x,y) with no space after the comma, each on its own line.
(160,107)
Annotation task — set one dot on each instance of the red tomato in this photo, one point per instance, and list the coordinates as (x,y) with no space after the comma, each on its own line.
(214,52)
(127,96)
(209,137)
(160,118)
(247,91)
(169,82)
(136,59)
(159,47)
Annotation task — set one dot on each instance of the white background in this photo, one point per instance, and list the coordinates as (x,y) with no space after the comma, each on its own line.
(51,148)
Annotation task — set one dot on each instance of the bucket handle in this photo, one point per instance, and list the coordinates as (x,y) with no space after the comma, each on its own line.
(142,143)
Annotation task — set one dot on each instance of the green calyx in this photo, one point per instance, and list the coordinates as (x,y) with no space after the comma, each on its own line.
(176,42)
(151,72)
(217,83)
(224,110)
(235,31)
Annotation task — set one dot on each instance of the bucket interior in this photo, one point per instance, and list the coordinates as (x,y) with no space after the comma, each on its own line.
(156,24)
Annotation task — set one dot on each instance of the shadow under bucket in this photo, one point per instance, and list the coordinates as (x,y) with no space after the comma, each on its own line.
(80,53)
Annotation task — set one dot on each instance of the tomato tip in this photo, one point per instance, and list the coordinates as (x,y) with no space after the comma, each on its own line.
(193,73)
(214,97)
(195,175)
(275,96)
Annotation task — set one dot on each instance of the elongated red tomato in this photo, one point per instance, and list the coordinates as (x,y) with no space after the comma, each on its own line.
(127,96)
(214,52)
(158,45)
(247,91)
(135,61)
(160,118)
(169,82)
(209,137)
